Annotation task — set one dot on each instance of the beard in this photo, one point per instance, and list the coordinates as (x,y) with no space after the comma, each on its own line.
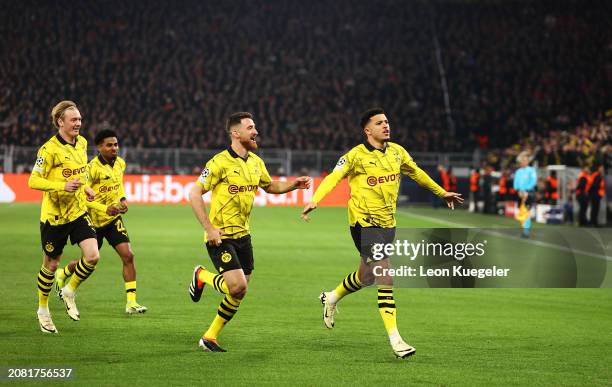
(249,145)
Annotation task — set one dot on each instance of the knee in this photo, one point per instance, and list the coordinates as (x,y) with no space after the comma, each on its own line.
(366,277)
(93,258)
(128,258)
(52,265)
(238,291)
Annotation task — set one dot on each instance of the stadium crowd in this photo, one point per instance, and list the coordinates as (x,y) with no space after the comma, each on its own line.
(167,74)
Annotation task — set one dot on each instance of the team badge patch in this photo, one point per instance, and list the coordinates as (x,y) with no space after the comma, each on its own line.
(205,173)
(340,163)
(38,164)
(49,247)
(226,257)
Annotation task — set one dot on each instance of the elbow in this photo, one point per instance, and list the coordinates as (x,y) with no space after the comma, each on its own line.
(32,182)
(195,193)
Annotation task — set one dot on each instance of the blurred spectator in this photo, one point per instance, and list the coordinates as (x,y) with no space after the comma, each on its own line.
(166,74)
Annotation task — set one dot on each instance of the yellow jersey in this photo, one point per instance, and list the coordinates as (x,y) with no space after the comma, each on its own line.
(58,162)
(233,181)
(106,180)
(374,178)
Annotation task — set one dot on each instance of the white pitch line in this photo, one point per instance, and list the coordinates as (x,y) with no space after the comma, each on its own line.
(495,233)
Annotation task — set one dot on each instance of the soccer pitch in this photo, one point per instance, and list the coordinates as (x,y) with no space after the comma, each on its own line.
(462,336)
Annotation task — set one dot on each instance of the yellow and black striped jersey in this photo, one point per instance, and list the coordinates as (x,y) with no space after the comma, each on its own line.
(233,181)
(58,162)
(106,180)
(374,178)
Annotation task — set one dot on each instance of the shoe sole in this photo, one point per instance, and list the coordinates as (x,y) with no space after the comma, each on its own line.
(207,346)
(406,355)
(45,330)
(194,284)
(135,311)
(78,317)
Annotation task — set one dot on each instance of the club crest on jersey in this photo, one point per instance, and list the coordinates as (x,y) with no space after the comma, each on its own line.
(373,180)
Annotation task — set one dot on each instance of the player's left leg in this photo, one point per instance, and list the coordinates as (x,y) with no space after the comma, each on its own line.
(83,234)
(64,274)
(234,259)
(388,311)
(125,252)
(236,282)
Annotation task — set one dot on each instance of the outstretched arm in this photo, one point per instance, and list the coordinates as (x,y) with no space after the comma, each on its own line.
(411,169)
(281,187)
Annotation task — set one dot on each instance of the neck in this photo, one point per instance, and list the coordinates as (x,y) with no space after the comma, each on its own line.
(67,138)
(108,160)
(239,149)
(376,144)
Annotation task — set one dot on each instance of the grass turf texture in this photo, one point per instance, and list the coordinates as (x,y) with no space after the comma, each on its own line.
(462,336)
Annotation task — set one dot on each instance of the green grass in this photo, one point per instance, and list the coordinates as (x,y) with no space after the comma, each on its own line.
(462,336)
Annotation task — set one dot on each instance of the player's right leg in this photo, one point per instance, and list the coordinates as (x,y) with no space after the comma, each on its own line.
(44,283)
(53,240)
(350,284)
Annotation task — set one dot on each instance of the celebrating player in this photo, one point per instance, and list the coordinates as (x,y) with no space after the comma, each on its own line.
(233,176)
(60,171)
(106,179)
(373,170)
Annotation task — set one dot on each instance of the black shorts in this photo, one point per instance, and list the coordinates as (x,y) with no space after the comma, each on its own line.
(114,232)
(232,254)
(366,237)
(54,238)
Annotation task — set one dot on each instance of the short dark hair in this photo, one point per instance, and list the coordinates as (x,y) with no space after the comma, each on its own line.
(365,116)
(103,134)
(235,119)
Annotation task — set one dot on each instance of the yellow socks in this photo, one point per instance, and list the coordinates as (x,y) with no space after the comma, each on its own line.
(227,309)
(349,285)
(82,271)
(130,292)
(215,280)
(45,283)
(386,308)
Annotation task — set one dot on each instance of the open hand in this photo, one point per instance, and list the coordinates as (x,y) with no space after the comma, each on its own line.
(451,198)
(307,209)
(303,182)
(73,185)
